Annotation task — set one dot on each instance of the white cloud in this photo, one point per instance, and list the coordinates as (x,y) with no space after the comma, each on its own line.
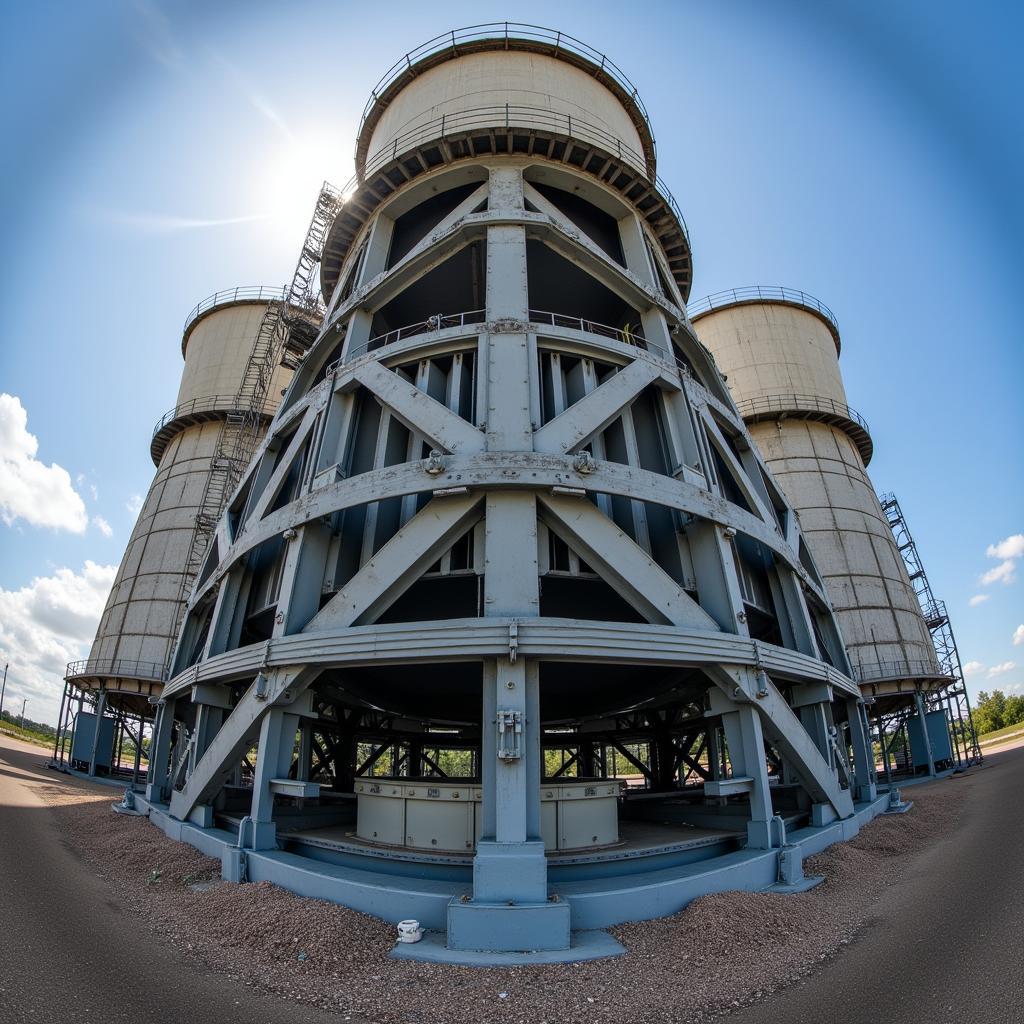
(45,625)
(998,670)
(972,668)
(1008,551)
(82,481)
(1011,547)
(154,222)
(134,504)
(1018,636)
(1002,573)
(103,526)
(978,599)
(29,489)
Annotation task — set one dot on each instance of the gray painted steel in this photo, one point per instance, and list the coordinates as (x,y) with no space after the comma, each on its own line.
(526,538)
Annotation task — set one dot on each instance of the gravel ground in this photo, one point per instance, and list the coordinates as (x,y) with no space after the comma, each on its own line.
(719,953)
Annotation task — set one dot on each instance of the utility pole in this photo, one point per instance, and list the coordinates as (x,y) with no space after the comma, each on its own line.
(2,690)
(23,703)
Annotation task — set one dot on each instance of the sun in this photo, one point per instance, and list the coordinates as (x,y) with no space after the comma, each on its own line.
(288,183)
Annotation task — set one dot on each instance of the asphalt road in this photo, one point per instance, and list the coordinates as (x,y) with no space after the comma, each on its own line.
(946,946)
(68,952)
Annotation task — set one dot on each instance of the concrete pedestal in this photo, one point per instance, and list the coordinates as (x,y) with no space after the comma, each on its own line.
(508,927)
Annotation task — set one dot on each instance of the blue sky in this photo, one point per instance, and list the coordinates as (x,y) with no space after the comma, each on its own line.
(868,153)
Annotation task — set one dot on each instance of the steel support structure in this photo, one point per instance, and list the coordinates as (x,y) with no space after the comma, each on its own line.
(462,549)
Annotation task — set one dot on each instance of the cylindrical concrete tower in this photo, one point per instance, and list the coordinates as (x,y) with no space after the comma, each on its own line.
(508,605)
(779,350)
(136,634)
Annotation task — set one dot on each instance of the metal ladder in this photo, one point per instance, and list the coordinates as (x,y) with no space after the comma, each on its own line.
(286,333)
(937,620)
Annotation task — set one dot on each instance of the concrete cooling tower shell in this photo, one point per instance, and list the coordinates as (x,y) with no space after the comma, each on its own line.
(779,350)
(532,89)
(533,92)
(137,630)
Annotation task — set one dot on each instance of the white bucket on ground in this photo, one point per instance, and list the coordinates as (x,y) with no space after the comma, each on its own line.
(409,931)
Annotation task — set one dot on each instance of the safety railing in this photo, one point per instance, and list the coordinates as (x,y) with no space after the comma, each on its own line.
(123,667)
(627,335)
(898,669)
(433,324)
(770,404)
(195,406)
(244,293)
(768,293)
(512,116)
(505,116)
(508,30)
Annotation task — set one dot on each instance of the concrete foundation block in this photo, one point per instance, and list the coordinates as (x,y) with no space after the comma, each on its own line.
(232,864)
(508,927)
(759,835)
(257,835)
(791,872)
(504,872)
(766,835)
(822,815)
(585,945)
(202,816)
(791,865)
(171,826)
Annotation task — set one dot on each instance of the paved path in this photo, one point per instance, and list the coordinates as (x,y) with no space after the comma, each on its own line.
(69,953)
(949,942)
(947,946)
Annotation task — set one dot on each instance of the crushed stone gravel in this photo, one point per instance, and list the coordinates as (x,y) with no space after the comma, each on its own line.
(717,954)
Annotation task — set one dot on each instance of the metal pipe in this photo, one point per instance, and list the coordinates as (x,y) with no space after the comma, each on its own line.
(63,699)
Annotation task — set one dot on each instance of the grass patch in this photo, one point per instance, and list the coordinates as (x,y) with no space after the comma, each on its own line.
(27,735)
(998,734)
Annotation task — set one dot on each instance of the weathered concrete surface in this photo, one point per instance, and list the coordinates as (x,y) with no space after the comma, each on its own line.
(464,87)
(784,358)
(140,620)
(768,349)
(217,350)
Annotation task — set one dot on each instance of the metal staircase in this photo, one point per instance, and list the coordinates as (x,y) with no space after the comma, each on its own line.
(285,334)
(965,738)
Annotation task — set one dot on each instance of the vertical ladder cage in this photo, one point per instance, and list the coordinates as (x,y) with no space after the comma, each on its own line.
(952,697)
(286,333)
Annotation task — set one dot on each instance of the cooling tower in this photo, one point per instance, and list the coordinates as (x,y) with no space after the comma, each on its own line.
(508,627)
(129,657)
(779,350)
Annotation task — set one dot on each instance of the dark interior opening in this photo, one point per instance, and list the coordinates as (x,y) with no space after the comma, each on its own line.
(579,597)
(598,226)
(437,597)
(456,286)
(413,226)
(558,286)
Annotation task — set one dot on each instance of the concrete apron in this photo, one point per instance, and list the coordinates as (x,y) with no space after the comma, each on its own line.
(594,904)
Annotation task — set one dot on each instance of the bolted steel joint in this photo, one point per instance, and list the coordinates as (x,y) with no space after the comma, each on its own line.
(435,464)
(584,464)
